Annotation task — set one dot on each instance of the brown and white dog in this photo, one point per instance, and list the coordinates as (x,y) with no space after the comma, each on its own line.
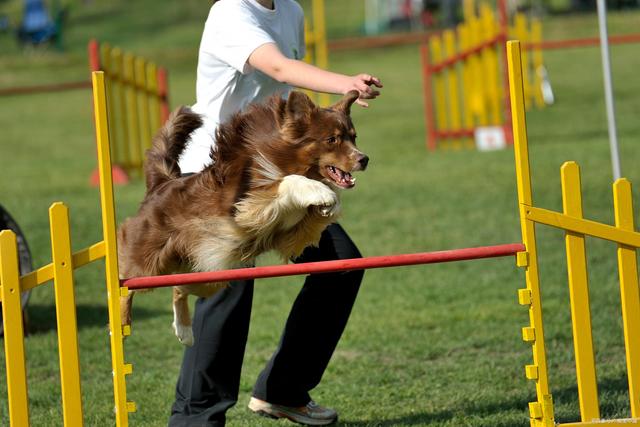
(272,185)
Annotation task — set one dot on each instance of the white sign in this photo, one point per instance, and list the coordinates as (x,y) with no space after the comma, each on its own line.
(490,138)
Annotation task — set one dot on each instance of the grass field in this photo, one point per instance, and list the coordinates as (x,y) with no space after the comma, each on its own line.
(431,345)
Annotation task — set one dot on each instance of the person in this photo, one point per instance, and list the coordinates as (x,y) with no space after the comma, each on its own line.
(252,49)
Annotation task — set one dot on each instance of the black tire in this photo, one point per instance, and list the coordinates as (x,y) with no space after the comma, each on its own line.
(24,256)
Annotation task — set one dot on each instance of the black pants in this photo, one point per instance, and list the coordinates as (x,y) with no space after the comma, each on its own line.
(210,373)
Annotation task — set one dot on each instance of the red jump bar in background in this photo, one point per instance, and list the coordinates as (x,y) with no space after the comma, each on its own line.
(324,266)
(586,42)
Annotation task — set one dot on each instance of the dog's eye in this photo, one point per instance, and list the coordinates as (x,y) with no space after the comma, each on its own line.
(332,140)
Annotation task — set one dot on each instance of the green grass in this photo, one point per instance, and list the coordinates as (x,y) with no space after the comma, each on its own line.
(431,345)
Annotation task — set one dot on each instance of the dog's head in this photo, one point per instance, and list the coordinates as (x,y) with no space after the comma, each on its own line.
(323,140)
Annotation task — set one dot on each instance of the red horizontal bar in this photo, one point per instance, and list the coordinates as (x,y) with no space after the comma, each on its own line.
(55,87)
(585,42)
(385,40)
(324,266)
(446,134)
(461,56)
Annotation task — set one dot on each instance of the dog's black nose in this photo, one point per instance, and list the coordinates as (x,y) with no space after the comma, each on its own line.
(364,161)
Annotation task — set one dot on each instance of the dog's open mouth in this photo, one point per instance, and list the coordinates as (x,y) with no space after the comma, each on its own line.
(341,178)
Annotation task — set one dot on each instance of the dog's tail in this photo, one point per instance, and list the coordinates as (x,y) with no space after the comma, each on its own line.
(168,145)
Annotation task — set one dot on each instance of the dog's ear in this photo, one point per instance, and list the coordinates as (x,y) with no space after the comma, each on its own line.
(346,102)
(299,105)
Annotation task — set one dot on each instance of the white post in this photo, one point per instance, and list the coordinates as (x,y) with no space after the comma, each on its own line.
(608,89)
(372,17)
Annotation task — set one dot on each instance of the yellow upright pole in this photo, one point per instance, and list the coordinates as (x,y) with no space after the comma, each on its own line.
(118,110)
(122,406)
(114,95)
(133,120)
(143,107)
(66,315)
(478,74)
(467,81)
(579,296)
(455,120)
(629,291)
(522,34)
(541,412)
(537,63)
(13,331)
(117,147)
(155,120)
(493,90)
(320,42)
(468,10)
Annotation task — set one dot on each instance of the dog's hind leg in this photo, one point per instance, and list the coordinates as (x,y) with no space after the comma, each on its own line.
(125,308)
(181,317)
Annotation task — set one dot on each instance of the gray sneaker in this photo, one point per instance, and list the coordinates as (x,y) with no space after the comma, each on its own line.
(312,414)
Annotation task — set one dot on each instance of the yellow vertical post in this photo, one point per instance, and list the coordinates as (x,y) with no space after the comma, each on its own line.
(66,315)
(537,63)
(154,99)
(310,53)
(629,291)
(122,406)
(579,296)
(440,101)
(13,331)
(467,82)
(521,33)
(490,60)
(455,122)
(132,111)
(120,116)
(320,42)
(309,40)
(117,148)
(114,84)
(478,75)
(541,412)
(468,10)
(143,105)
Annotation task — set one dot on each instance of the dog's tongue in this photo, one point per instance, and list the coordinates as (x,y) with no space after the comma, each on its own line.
(342,178)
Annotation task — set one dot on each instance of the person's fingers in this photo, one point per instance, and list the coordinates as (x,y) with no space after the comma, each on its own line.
(369,80)
(375,81)
(369,93)
(365,90)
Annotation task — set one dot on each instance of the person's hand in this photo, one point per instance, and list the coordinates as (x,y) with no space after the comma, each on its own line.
(365,84)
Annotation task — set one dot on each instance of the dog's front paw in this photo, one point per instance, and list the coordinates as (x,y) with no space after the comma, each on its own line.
(328,210)
(184,334)
(305,192)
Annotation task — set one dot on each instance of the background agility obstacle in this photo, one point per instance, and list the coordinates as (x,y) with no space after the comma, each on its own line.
(465,75)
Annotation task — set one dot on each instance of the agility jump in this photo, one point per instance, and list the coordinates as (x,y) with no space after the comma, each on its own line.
(465,75)
(541,411)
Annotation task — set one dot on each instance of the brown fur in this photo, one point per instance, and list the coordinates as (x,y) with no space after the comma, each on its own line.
(269,187)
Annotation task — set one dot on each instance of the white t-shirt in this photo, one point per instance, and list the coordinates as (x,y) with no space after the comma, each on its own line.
(226,83)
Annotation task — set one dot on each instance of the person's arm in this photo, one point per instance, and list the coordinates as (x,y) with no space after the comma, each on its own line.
(268,59)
